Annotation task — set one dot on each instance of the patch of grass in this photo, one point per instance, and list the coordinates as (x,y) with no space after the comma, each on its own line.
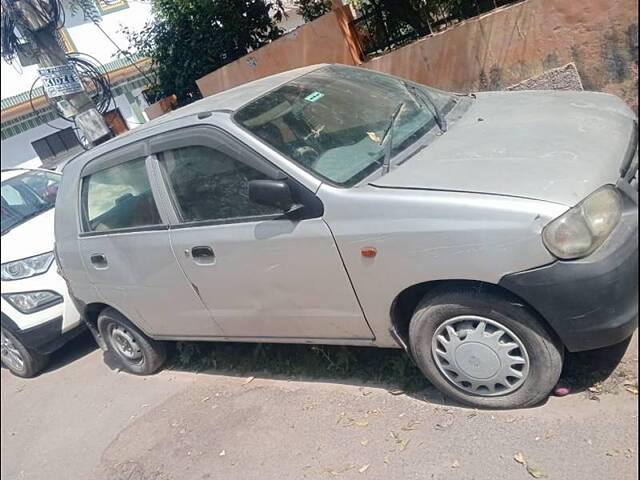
(390,367)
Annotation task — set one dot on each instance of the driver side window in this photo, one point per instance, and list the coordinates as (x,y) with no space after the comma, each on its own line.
(210,185)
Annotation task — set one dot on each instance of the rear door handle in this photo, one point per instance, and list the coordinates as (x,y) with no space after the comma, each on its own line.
(99,260)
(202,254)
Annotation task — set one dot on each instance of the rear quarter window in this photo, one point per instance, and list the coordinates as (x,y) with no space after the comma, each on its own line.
(119,197)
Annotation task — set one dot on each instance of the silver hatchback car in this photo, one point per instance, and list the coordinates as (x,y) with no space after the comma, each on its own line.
(485,234)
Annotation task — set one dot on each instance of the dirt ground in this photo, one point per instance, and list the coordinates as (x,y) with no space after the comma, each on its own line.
(83,420)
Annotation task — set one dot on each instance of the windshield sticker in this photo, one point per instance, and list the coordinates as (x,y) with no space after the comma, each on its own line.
(314,96)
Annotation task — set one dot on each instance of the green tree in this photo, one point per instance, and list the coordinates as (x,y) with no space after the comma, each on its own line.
(312,9)
(189,38)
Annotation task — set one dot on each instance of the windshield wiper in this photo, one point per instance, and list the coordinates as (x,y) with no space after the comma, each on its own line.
(387,139)
(419,96)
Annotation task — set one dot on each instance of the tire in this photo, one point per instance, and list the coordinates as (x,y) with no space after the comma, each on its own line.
(137,353)
(22,361)
(482,360)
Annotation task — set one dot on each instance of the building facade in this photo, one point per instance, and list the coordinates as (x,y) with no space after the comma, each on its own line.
(33,134)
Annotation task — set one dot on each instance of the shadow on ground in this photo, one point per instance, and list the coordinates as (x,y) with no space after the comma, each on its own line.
(603,370)
(77,348)
(599,371)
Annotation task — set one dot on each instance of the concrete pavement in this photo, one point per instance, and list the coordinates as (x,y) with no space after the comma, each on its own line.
(81,420)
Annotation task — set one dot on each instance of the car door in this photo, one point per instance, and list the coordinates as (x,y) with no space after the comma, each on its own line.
(126,250)
(260,273)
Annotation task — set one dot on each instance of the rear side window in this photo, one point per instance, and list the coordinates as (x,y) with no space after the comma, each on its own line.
(210,185)
(119,197)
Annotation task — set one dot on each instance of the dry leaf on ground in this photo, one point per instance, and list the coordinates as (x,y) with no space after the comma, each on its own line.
(534,472)
(519,457)
(410,426)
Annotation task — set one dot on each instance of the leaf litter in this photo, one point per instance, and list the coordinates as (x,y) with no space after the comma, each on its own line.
(533,471)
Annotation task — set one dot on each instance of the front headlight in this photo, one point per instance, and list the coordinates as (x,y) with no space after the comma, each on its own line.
(27,267)
(583,228)
(29,302)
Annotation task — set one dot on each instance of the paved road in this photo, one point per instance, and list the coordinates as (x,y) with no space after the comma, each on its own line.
(81,420)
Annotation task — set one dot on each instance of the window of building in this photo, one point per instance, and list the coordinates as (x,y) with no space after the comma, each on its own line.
(56,144)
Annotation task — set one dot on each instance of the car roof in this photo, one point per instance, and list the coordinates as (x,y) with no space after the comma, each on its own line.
(232,99)
(13,172)
(9,173)
(239,96)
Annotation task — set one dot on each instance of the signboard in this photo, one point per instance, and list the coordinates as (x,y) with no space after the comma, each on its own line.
(60,81)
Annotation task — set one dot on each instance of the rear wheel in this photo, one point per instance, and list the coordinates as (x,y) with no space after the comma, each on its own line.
(21,361)
(484,349)
(138,353)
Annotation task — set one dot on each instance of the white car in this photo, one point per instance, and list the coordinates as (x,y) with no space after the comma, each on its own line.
(37,315)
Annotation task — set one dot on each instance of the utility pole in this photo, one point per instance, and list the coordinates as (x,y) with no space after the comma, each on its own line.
(41,32)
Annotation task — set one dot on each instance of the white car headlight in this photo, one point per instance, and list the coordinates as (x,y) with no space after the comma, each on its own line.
(29,302)
(583,228)
(27,267)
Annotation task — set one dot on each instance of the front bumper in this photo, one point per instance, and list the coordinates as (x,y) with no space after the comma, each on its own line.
(43,338)
(45,330)
(591,302)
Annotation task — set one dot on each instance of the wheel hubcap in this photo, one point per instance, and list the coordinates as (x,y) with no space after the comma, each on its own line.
(126,344)
(11,356)
(480,356)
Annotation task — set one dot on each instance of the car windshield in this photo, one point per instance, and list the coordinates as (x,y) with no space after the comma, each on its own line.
(332,120)
(27,195)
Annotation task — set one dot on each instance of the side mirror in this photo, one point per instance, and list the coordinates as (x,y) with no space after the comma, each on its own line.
(272,193)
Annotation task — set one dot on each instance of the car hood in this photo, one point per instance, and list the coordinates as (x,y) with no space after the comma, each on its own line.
(30,238)
(552,146)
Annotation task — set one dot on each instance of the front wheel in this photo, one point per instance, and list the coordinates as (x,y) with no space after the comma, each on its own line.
(20,361)
(138,353)
(484,349)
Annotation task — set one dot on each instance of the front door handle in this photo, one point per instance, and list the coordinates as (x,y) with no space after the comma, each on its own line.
(99,260)
(202,254)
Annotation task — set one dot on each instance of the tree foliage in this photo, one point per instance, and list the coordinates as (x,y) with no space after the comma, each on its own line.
(312,9)
(189,38)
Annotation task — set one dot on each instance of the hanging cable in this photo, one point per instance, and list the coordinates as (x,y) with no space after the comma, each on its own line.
(122,52)
(45,14)
(38,112)
(96,84)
